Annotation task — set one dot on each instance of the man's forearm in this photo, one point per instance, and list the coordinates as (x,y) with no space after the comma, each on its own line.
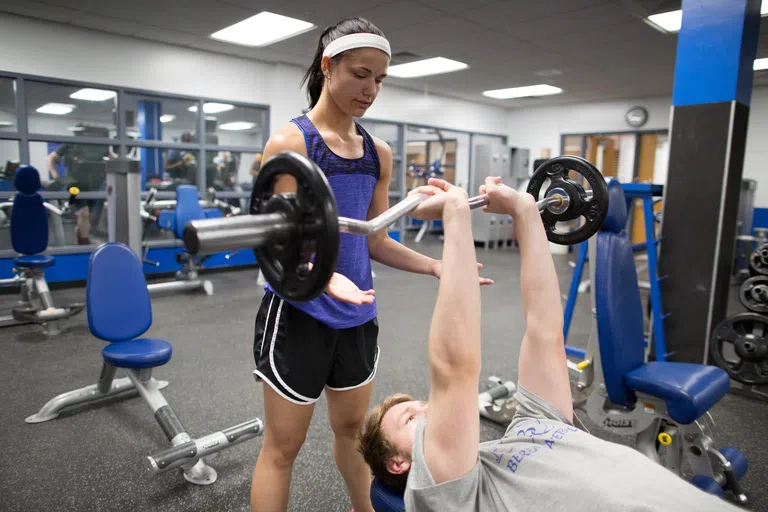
(393,254)
(454,336)
(538,284)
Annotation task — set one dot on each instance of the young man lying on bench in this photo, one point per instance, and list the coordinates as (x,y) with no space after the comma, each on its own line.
(432,449)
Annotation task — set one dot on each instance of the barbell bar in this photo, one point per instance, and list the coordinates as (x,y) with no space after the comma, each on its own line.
(288,231)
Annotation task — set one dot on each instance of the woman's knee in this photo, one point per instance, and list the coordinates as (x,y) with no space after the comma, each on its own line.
(282,447)
(347,427)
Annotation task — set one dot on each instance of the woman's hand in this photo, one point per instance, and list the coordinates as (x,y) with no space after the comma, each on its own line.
(343,289)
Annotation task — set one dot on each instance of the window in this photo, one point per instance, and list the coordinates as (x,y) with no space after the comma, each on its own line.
(388,132)
(166,169)
(8,105)
(162,119)
(391,133)
(9,161)
(62,165)
(73,130)
(231,125)
(71,110)
(234,169)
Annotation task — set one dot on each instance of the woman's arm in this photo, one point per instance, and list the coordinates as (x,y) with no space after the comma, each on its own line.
(382,248)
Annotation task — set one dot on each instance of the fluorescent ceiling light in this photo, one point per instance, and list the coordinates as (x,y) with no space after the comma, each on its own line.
(523,92)
(237,125)
(670,22)
(167,118)
(213,108)
(426,67)
(667,22)
(93,94)
(211,118)
(263,29)
(6,123)
(57,109)
(760,64)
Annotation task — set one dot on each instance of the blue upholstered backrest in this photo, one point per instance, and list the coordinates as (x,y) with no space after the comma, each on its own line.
(617,297)
(187,208)
(29,218)
(616,220)
(119,307)
(27,180)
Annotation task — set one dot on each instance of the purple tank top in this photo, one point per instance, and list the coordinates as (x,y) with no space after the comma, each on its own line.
(352,182)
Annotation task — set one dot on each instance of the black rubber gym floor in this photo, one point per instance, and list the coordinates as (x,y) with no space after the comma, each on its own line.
(95,459)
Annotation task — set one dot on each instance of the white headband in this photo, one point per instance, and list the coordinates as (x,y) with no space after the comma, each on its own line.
(353,41)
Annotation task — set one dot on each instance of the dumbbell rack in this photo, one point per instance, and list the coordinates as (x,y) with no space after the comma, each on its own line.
(756,308)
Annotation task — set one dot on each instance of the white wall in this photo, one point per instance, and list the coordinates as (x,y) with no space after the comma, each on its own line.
(538,128)
(67,52)
(756,153)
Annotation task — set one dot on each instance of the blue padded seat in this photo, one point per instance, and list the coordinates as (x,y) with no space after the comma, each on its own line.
(119,308)
(140,353)
(386,498)
(187,209)
(29,218)
(34,261)
(707,485)
(689,390)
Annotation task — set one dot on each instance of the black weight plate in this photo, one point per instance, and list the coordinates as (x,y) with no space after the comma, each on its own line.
(747,359)
(758,261)
(315,237)
(593,210)
(753,294)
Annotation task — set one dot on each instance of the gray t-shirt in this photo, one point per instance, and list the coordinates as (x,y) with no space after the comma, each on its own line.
(544,463)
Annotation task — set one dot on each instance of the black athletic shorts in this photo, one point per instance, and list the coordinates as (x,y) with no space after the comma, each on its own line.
(298,355)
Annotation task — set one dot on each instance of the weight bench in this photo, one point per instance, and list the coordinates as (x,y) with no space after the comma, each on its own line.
(663,405)
(29,237)
(119,311)
(187,209)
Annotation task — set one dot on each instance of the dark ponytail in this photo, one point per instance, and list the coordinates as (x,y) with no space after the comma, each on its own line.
(314,78)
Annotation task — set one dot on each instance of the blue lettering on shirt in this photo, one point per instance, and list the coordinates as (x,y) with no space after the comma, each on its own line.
(538,434)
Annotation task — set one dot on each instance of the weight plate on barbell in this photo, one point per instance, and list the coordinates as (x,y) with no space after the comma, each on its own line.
(739,346)
(758,261)
(593,210)
(315,237)
(753,294)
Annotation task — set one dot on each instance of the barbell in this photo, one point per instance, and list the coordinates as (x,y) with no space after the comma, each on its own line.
(288,231)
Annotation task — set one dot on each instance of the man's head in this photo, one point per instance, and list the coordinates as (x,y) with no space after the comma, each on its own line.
(386,439)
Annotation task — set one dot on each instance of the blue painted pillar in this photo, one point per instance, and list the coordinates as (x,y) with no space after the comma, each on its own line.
(712,90)
(150,128)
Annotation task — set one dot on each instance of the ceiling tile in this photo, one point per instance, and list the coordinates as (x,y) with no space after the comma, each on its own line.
(304,44)
(434,32)
(38,10)
(400,14)
(601,47)
(583,20)
(111,25)
(167,36)
(505,13)
(456,6)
